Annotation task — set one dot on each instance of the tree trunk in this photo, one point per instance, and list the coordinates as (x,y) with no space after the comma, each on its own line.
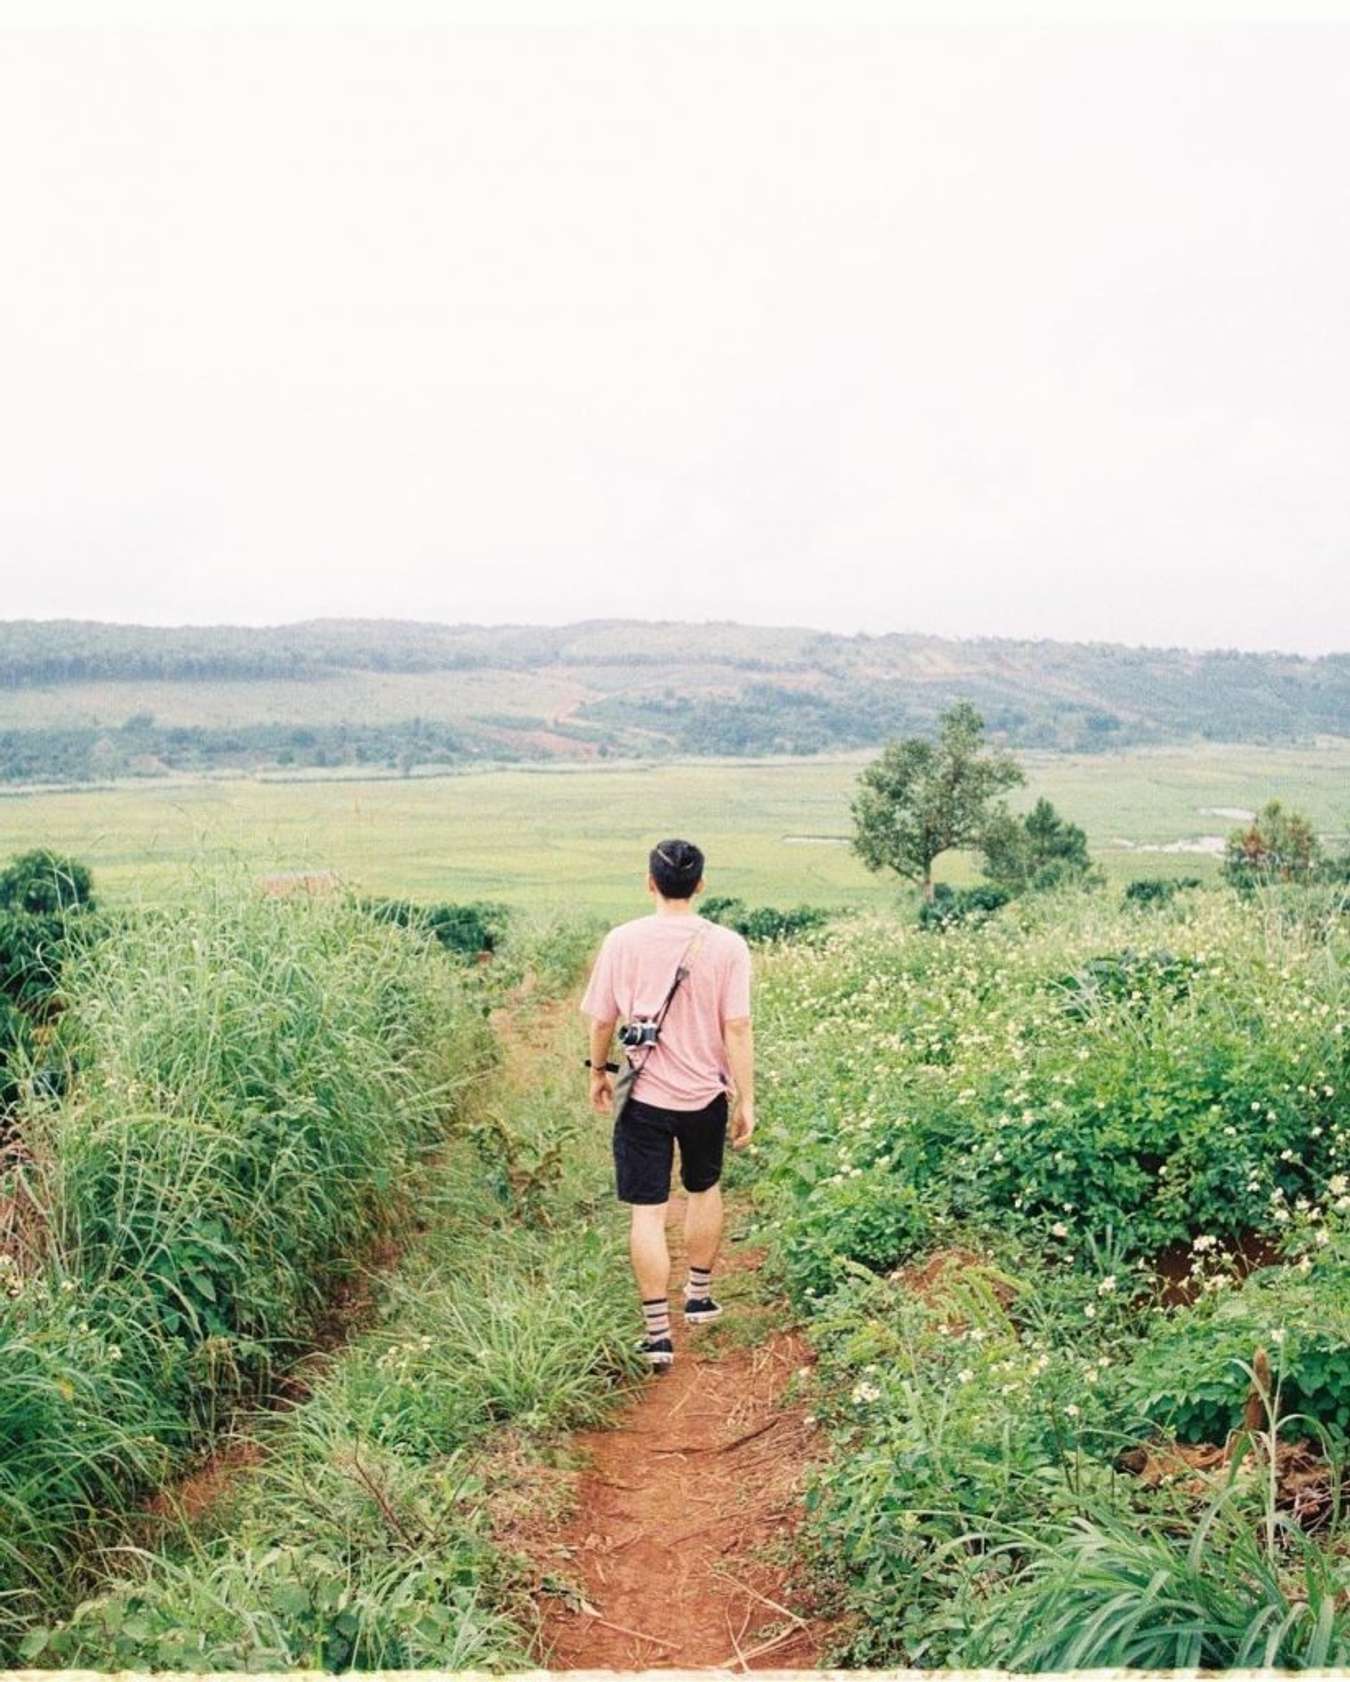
(928,883)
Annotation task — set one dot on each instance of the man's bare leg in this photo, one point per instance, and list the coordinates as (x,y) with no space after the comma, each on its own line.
(703,1227)
(648,1250)
(651,1268)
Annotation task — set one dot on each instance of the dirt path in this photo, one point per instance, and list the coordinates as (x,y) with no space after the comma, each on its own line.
(679,1536)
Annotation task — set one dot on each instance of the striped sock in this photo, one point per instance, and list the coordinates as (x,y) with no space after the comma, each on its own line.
(700,1283)
(656,1313)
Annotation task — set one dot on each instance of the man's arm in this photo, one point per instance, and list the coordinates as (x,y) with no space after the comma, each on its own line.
(739,1041)
(602,1087)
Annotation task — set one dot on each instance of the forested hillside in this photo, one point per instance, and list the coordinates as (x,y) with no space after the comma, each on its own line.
(86,701)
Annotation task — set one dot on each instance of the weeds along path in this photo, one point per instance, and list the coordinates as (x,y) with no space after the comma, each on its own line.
(678,1549)
(352,1528)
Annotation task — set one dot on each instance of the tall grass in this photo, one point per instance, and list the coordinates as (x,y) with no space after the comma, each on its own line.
(251,1083)
(364,1535)
(1115,1592)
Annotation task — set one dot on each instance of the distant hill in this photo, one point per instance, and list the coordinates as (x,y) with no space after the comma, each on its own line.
(86,701)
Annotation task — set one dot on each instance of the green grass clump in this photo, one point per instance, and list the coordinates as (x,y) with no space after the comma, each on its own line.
(1108,1592)
(251,1082)
(365,1535)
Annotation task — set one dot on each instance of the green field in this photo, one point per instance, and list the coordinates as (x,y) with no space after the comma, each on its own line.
(554,836)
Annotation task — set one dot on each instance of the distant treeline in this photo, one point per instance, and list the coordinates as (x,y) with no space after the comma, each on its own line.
(767,718)
(143,748)
(37,653)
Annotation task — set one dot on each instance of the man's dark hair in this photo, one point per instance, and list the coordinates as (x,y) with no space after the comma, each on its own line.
(676,867)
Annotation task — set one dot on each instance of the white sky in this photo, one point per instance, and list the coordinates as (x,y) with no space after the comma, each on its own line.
(856,324)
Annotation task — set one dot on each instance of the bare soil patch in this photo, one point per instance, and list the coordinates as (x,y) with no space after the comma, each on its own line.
(1180,1286)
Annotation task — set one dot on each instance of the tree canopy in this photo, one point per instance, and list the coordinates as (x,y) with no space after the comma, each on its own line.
(921,798)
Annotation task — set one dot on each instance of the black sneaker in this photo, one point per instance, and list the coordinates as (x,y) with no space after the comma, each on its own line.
(698,1310)
(660,1352)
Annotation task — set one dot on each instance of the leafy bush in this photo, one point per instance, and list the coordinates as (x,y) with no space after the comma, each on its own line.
(1035,1090)
(474,927)
(1023,1082)
(1036,852)
(32,950)
(950,906)
(46,902)
(763,923)
(1194,1371)
(1158,890)
(1124,977)
(43,883)
(1277,846)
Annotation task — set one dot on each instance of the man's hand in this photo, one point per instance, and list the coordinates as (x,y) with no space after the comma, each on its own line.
(743,1127)
(602,1087)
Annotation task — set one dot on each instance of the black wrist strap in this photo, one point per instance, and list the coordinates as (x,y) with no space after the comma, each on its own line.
(611,1068)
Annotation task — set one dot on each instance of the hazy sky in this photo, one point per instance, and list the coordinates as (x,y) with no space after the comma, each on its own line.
(976,330)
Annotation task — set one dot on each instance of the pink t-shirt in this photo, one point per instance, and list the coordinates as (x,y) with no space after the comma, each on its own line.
(686,1069)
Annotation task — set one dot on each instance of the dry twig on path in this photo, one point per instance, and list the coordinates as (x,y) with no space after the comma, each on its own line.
(622,1629)
(722,1448)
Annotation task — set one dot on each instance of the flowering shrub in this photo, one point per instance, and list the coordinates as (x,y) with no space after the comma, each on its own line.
(1159,1096)
(1047,1090)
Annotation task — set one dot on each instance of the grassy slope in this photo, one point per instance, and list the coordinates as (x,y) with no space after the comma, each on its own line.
(376,672)
(529,837)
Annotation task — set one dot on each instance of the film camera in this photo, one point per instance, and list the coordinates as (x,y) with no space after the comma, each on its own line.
(641,1032)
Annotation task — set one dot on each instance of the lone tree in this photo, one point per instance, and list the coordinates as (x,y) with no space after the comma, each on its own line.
(921,798)
(1040,850)
(1278,846)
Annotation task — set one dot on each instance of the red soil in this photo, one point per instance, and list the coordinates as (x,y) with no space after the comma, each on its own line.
(678,1540)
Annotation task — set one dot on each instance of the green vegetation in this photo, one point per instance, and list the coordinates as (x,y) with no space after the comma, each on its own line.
(554,838)
(1037,851)
(1157,890)
(959,905)
(46,903)
(363,1536)
(763,922)
(975,1151)
(1277,846)
(250,1083)
(920,799)
(87,702)
(981,1138)
(465,929)
(144,748)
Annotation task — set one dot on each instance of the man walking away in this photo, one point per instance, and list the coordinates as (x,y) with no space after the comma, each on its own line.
(701,1051)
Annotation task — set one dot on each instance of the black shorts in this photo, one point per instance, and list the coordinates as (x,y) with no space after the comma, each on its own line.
(644,1149)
